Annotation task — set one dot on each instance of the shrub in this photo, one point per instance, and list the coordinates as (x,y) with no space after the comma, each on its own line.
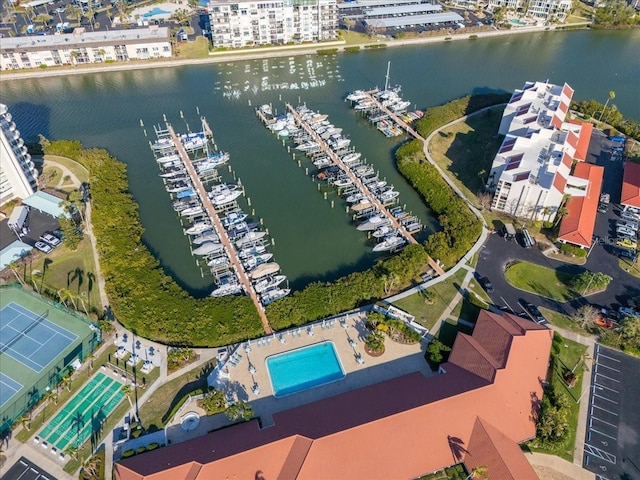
(473,37)
(355,48)
(141,449)
(447,39)
(128,453)
(376,45)
(327,51)
(375,342)
(136,433)
(153,446)
(573,250)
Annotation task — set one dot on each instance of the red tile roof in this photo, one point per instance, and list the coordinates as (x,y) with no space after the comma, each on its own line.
(578,225)
(421,424)
(631,185)
(584,139)
(559,182)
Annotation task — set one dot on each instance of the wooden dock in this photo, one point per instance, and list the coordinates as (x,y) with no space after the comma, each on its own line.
(220,230)
(354,178)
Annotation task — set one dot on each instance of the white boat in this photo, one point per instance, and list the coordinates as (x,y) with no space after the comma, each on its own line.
(277,125)
(209,164)
(323,162)
(198,228)
(351,157)
(266,109)
(382,231)
(250,237)
(363,170)
(207,237)
(227,289)
(162,144)
(223,188)
(373,223)
(173,173)
(387,196)
(330,132)
(233,218)
(222,198)
(343,182)
(389,243)
(264,270)
(269,283)
(356,96)
(252,262)
(178,188)
(180,205)
(365,105)
(376,184)
(218,262)
(400,106)
(191,211)
(356,197)
(307,146)
(208,248)
(273,295)
(251,251)
(339,143)
(283,133)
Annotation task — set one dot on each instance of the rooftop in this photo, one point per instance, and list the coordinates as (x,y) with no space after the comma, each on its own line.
(429,18)
(45,202)
(631,185)
(403,9)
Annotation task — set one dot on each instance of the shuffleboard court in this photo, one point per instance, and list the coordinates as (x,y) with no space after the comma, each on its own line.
(8,388)
(84,414)
(31,339)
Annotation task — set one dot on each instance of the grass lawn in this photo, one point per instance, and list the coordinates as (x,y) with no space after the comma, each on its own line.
(561,320)
(569,357)
(81,173)
(156,412)
(66,269)
(354,38)
(199,48)
(466,310)
(466,150)
(442,293)
(540,280)
(633,269)
(53,175)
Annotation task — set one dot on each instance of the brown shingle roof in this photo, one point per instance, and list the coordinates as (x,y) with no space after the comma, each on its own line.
(631,185)
(420,424)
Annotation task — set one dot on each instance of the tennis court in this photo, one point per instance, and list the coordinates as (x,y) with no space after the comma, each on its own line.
(30,338)
(8,388)
(83,414)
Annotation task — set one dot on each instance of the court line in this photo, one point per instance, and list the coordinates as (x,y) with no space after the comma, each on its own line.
(17,356)
(32,316)
(606,356)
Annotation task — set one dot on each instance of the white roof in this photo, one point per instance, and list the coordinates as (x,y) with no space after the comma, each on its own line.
(376,3)
(13,252)
(403,9)
(414,20)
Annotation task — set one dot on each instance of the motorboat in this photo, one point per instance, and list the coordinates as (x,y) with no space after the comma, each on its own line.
(390,243)
(343,182)
(375,184)
(283,133)
(264,270)
(250,237)
(218,262)
(356,96)
(400,106)
(209,164)
(227,289)
(307,146)
(382,231)
(223,188)
(180,205)
(387,196)
(356,197)
(172,172)
(365,105)
(339,143)
(251,251)
(240,229)
(222,198)
(233,218)
(208,248)
(191,211)
(179,187)
(362,206)
(323,162)
(269,283)
(351,158)
(330,132)
(363,170)
(162,144)
(373,222)
(206,237)
(190,192)
(192,141)
(273,295)
(266,109)
(198,228)
(252,262)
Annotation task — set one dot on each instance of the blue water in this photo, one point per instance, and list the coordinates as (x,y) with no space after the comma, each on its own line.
(304,368)
(155,11)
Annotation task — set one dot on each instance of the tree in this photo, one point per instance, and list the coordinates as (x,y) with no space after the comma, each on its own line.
(631,331)
(127,390)
(612,95)
(75,12)
(375,342)
(435,349)
(43,18)
(240,410)
(213,402)
(71,234)
(181,17)
(90,15)
(65,294)
(586,316)
(562,212)
(478,473)
(71,450)
(587,282)
(13,265)
(25,421)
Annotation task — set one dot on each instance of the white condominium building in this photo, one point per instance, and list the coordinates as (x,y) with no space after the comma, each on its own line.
(247,23)
(532,171)
(82,47)
(18,175)
(536,9)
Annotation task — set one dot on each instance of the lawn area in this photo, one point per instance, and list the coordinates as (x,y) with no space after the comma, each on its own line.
(633,269)
(561,320)
(570,357)
(466,150)
(81,173)
(354,38)
(63,269)
(467,310)
(158,410)
(441,294)
(457,472)
(540,280)
(199,48)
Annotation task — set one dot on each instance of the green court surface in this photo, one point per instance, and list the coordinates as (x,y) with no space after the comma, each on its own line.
(84,414)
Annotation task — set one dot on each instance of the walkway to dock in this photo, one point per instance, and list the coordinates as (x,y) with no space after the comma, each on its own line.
(222,233)
(401,123)
(354,178)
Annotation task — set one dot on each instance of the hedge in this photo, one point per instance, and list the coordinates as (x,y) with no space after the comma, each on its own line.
(128,453)
(355,48)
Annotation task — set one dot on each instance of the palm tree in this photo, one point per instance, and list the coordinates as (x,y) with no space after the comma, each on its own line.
(612,95)
(73,11)
(14,268)
(64,295)
(90,14)
(127,390)
(71,450)
(25,421)
(478,473)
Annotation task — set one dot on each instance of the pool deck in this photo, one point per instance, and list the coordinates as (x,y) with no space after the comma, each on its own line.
(396,361)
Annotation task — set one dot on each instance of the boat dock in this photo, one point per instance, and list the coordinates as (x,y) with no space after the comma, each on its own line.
(389,115)
(211,212)
(329,152)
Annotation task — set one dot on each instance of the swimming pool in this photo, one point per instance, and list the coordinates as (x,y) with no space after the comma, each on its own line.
(304,368)
(154,12)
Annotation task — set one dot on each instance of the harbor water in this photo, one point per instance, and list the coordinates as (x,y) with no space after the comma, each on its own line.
(314,237)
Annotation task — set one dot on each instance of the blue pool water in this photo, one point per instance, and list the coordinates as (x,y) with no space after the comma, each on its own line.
(304,368)
(155,11)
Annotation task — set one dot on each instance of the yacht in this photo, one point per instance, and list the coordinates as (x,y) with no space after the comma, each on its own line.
(273,295)
(222,198)
(250,237)
(382,231)
(251,263)
(206,237)
(356,197)
(323,162)
(400,106)
(198,228)
(251,251)
(227,289)
(217,262)
(307,146)
(172,172)
(356,96)
(387,196)
(390,243)
(233,218)
(264,270)
(269,282)
(351,157)
(343,182)
(373,222)
(208,248)
(192,211)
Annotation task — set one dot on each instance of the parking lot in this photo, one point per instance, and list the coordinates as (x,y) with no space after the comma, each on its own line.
(612,443)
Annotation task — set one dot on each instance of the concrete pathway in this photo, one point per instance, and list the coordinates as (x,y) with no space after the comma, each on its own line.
(570,470)
(75,182)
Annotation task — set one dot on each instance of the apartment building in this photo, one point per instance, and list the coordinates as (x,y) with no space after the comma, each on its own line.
(556,10)
(18,175)
(81,47)
(247,23)
(531,173)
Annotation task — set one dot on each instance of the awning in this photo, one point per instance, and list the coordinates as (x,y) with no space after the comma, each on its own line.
(46,203)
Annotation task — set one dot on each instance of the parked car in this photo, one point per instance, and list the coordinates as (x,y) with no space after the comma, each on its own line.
(486,284)
(533,312)
(50,239)
(627,224)
(627,243)
(630,254)
(43,247)
(626,232)
(629,215)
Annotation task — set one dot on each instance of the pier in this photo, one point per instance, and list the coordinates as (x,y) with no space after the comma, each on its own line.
(327,150)
(215,220)
(393,116)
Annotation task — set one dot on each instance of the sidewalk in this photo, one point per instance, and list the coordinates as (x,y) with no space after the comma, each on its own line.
(569,471)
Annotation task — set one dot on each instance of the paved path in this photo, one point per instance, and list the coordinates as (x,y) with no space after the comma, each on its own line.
(75,182)
(567,469)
